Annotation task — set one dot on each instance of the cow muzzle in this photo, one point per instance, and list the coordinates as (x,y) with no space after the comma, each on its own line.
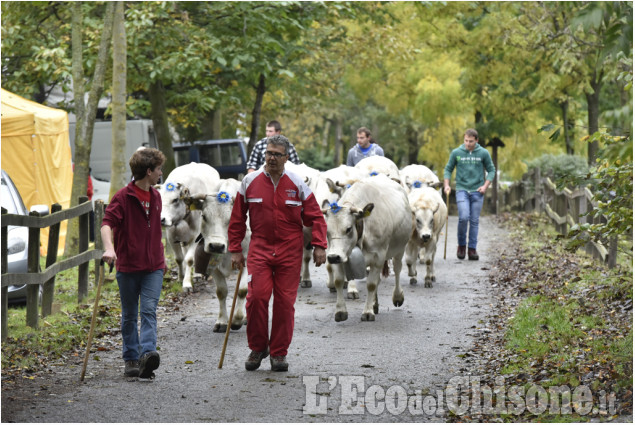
(426,237)
(334,259)
(215,248)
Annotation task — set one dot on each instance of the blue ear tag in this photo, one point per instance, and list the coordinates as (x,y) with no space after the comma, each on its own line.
(373,173)
(416,184)
(335,208)
(223,197)
(170,187)
(348,186)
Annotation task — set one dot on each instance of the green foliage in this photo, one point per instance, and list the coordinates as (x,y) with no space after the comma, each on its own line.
(611,182)
(562,165)
(313,157)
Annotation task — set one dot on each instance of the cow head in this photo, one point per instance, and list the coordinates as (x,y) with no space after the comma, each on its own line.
(345,227)
(216,211)
(174,208)
(424,222)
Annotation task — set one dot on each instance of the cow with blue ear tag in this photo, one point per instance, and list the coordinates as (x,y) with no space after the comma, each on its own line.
(373,216)
(212,255)
(416,176)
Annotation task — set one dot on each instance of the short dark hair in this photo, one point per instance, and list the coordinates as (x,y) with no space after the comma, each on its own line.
(365,131)
(275,124)
(471,133)
(279,140)
(144,159)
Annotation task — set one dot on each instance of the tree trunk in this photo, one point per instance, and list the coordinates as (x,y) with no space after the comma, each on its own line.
(119,171)
(325,137)
(85,122)
(255,113)
(565,119)
(413,148)
(339,144)
(161,128)
(593,111)
(211,126)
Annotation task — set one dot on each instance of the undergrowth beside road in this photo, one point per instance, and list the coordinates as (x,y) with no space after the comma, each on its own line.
(560,319)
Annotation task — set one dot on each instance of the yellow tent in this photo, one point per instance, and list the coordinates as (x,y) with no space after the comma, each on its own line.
(37,155)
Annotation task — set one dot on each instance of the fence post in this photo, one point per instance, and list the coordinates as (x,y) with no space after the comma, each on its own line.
(538,201)
(527,206)
(99,243)
(3,270)
(51,257)
(82,272)
(33,266)
(612,257)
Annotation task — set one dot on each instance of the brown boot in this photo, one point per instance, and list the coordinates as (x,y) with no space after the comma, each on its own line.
(472,254)
(460,252)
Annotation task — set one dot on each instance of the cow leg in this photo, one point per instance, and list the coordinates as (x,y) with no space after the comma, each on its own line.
(340,306)
(305,280)
(412,250)
(239,309)
(371,306)
(178,257)
(188,261)
(330,282)
(221,293)
(397,293)
(352,292)
(431,251)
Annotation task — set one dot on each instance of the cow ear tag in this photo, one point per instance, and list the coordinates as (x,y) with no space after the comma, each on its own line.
(366,213)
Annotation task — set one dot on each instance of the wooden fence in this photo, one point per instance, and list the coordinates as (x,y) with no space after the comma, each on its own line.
(34,277)
(565,208)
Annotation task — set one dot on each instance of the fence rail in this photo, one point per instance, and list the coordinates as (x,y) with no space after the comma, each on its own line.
(34,277)
(565,208)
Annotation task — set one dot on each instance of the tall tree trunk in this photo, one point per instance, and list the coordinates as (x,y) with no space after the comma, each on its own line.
(255,113)
(339,144)
(85,121)
(326,129)
(211,126)
(593,113)
(119,171)
(565,119)
(161,127)
(413,148)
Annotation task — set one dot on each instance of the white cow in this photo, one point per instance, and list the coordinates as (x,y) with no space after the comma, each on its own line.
(416,175)
(329,186)
(182,225)
(217,208)
(374,215)
(430,214)
(374,165)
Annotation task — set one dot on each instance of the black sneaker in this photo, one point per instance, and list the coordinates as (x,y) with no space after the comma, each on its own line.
(255,358)
(279,363)
(472,254)
(460,252)
(148,362)
(132,368)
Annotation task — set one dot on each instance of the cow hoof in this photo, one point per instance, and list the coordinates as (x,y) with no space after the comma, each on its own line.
(428,283)
(332,290)
(236,326)
(433,278)
(306,284)
(413,281)
(375,309)
(340,316)
(397,303)
(187,290)
(353,295)
(368,317)
(220,328)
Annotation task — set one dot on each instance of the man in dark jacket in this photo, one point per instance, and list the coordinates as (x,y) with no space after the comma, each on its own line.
(134,217)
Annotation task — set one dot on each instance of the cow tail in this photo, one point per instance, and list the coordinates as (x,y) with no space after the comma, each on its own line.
(386,270)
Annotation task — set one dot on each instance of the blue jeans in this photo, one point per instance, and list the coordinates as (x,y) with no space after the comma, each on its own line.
(135,287)
(469,205)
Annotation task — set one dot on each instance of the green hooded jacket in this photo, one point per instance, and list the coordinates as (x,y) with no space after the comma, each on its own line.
(470,167)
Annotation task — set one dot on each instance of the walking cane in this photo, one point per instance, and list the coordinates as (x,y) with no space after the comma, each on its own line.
(231,317)
(447,216)
(92,321)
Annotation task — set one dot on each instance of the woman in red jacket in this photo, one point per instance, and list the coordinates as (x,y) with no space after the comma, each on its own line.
(134,218)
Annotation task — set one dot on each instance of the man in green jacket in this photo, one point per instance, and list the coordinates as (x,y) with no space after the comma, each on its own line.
(471,161)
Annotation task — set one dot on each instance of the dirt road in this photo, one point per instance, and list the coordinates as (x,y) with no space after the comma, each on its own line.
(339,372)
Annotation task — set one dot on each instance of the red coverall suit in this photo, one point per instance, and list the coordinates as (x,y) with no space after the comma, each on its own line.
(276,217)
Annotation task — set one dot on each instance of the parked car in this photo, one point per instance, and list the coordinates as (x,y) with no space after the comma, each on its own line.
(17,236)
(227,156)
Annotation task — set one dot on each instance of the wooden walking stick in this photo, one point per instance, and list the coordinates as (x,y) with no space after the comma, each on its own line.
(92,320)
(447,216)
(231,317)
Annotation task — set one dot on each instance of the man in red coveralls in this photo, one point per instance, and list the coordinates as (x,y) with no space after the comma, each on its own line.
(279,203)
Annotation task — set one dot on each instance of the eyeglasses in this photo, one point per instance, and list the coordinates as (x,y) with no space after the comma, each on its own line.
(276,155)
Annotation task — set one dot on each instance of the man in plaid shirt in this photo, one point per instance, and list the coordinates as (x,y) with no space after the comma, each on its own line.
(257,157)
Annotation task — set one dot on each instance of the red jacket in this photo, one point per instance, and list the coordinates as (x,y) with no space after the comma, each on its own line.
(276,216)
(137,238)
